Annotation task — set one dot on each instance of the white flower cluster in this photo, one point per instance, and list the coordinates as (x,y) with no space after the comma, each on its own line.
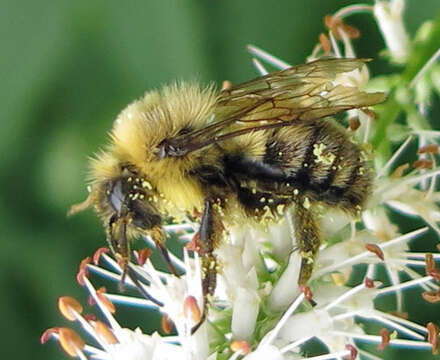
(258,310)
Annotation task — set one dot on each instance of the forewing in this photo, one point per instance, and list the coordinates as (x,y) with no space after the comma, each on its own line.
(303,92)
(300,93)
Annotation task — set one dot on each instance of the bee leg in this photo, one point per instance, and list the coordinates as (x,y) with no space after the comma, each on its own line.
(210,232)
(308,239)
(157,234)
(118,243)
(120,247)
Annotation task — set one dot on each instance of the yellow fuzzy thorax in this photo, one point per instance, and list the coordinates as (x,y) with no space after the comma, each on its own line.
(160,115)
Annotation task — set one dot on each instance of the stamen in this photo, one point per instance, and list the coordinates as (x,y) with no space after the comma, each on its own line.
(272,335)
(404,285)
(104,332)
(431,269)
(405,322)
(354,123)
(422,71)
(82,271)
(241,346)
(422,164)
(393,158)
(385,335)
(101,294)
(353,352)
(357,259)
(433,337)
(398,327)
(98,253)
(345,296)
(142,255)
(130,300)
(327,47)
(167,324)
(432,297)
(191,309)
(66,304)
(428,149)
(226,85)
(260,68)
(334,45)
(353,9)
(266,57)
(71,342)
(295,344)
(378,339)
(335,355)
(47,334)
(113,323)
(375,249)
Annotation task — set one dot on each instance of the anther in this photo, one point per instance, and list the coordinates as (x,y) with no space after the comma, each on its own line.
(433,337)
(167,324)
(431,269)
(70,341)
(142,255)
(191,309)
(385,335)
(353,352)
(104,332)
(83,271)
(428,149)
(369,283)
(98,253)
(100,293)
(47,334)
(66,304)
(241,346)
(375,249)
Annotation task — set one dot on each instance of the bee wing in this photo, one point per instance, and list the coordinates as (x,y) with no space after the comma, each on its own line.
(301,93)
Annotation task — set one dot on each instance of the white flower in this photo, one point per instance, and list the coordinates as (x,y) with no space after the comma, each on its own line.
(389,18)
(258,311)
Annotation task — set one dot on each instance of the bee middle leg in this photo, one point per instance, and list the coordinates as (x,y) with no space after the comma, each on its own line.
(308,238)
(211,229)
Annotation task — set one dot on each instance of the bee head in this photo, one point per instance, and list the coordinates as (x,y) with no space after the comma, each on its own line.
(131,197)
(125,203)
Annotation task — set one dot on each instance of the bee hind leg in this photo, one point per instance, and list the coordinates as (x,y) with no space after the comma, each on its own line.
(308,238)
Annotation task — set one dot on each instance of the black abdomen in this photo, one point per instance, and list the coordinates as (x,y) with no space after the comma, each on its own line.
(311,160)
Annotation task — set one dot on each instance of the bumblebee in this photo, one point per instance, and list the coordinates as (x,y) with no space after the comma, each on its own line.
(244,154)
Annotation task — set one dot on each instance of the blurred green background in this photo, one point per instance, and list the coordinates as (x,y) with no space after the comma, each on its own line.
(68,68)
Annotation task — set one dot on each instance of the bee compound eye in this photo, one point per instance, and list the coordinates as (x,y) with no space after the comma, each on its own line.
(115,195)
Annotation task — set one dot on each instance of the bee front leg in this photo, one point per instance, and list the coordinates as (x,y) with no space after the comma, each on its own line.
(210,232)
(118,242)
(308,238)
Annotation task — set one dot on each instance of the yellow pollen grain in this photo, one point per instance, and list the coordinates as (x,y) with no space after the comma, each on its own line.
(146,184)
(280,209)
(318,151)
(306,203)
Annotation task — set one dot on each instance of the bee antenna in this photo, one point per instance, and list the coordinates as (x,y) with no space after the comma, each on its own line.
(82,205)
